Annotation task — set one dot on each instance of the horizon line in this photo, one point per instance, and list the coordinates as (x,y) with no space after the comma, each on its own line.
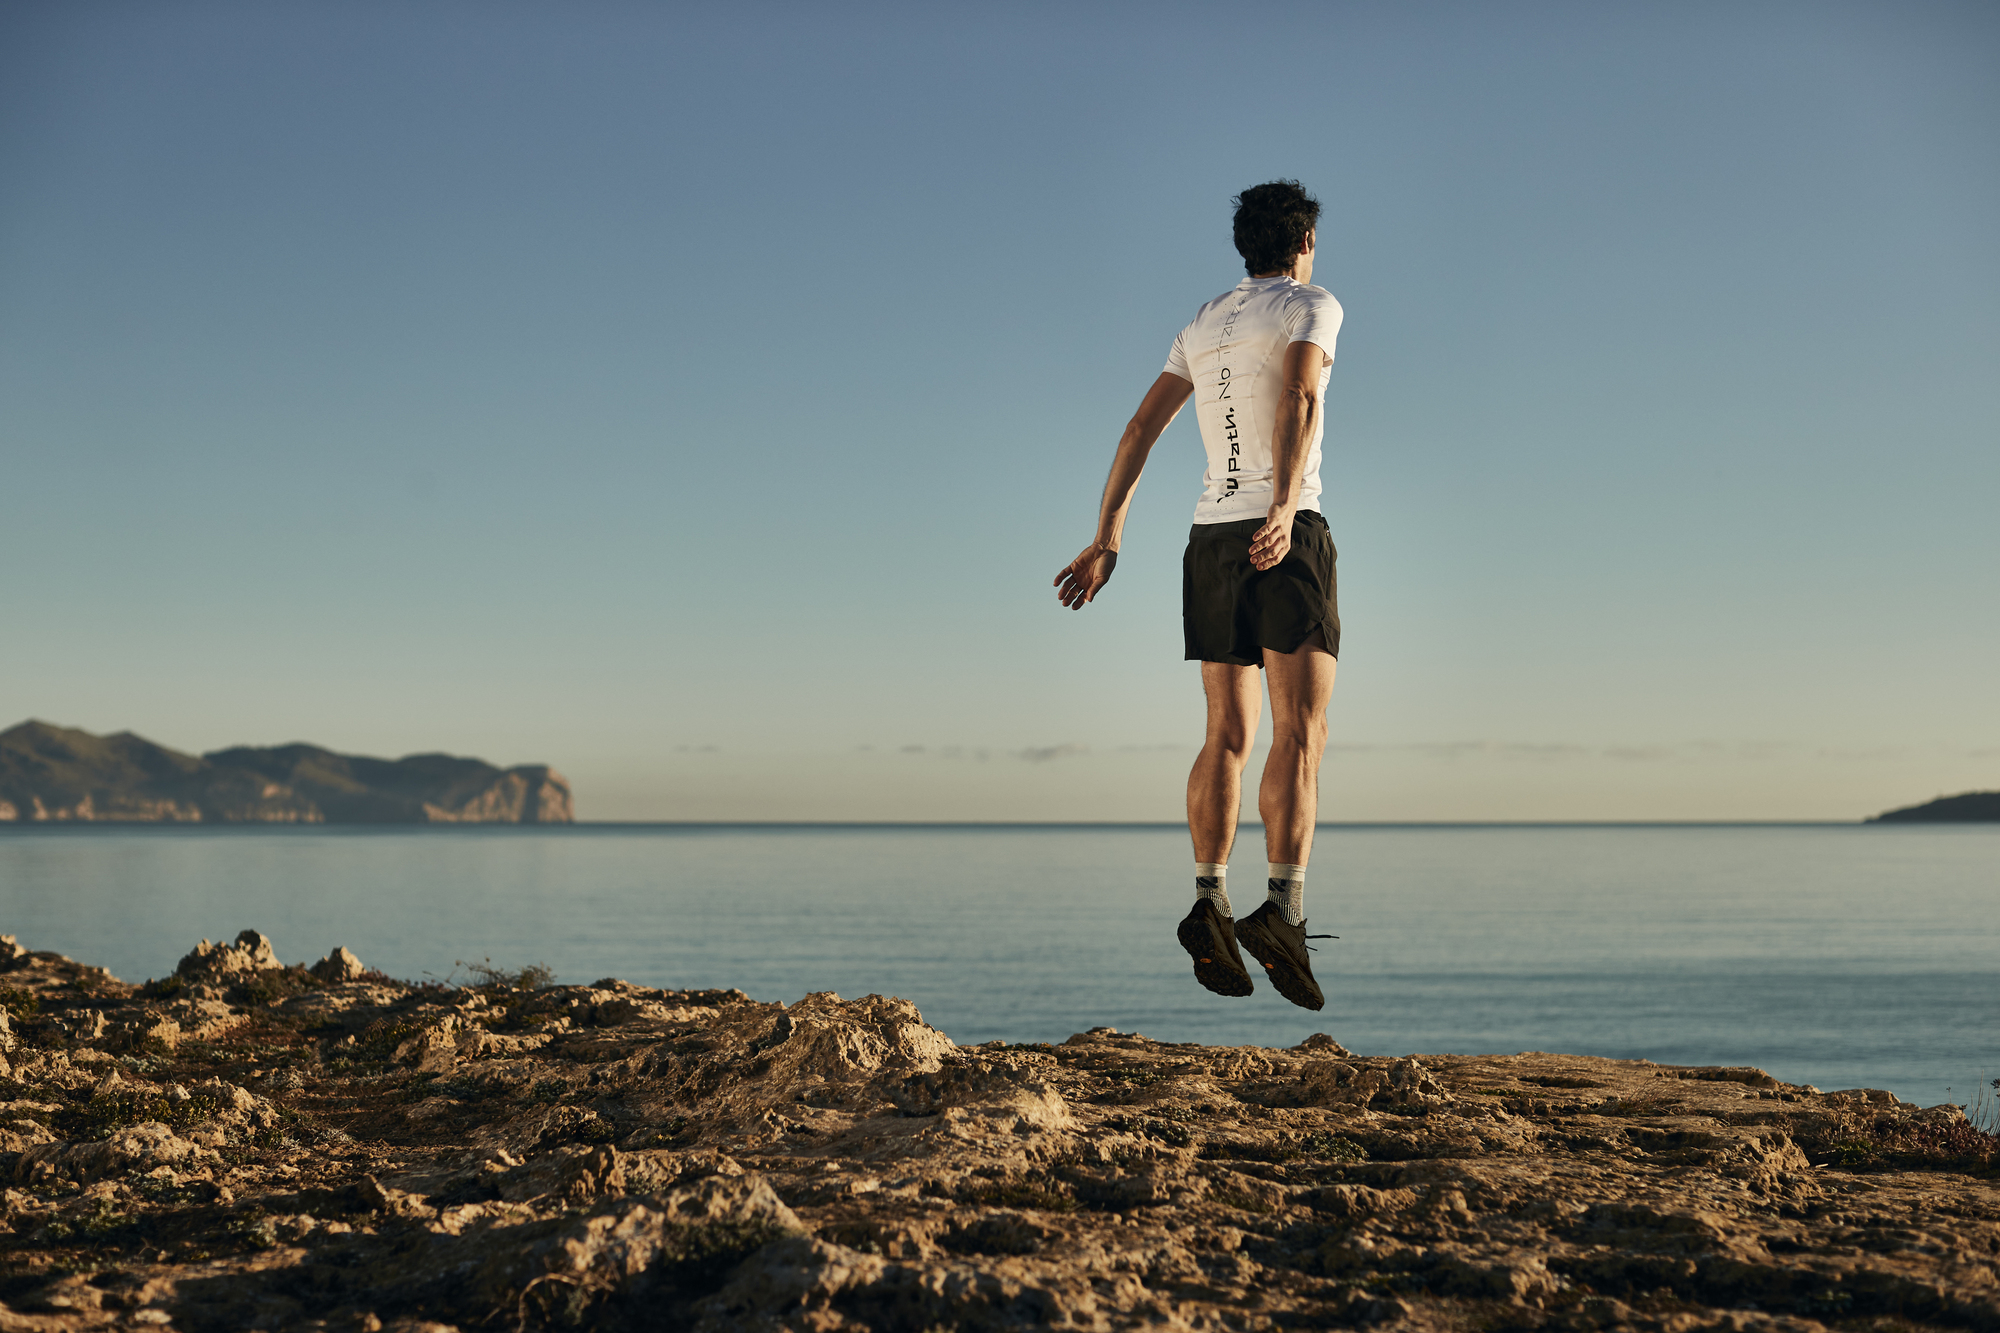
(997,824)
(1182,824)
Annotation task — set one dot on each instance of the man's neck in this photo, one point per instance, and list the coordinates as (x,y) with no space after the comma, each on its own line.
(1301,270)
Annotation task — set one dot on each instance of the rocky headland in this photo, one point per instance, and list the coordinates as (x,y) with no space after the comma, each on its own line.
(249,1145)
(60,774)
(1971,807)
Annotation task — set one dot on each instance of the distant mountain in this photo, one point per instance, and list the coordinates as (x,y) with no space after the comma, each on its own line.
(59,773)
(1973,807)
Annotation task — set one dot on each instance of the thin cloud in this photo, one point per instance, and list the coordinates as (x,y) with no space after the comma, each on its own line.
(1042,754)
(1652,752)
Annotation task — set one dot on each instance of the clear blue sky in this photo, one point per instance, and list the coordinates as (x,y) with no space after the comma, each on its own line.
(701,399)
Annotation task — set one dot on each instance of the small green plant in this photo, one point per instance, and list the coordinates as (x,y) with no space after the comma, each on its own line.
(1141,1078)
(1984,1113)
(20,1003)
(675,1133)
(102,1220)
(104,1115)
(464,1088)
(535,976)
(1330,1147)
(1940,1145)
(1240,1202)
(1021,1195)
(595,1130)
(257,1231)
(385,1035)
(276,984)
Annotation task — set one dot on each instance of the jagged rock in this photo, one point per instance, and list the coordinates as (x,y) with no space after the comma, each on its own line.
(1004,1092)
(201,1019)
(434,1047)
(339,966)
(138,1148)
(148,1029)
(250,954)
(1321,1044)
(1410,1084)
(1335,1083)
(823,1037)
(84,1025)
(21,1130)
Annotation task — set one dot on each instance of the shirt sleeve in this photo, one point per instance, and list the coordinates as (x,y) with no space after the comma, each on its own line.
(1177,362)
(1315,319)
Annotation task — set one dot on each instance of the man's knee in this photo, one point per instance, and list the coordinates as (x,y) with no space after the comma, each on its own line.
(1232,737)
(1307,733)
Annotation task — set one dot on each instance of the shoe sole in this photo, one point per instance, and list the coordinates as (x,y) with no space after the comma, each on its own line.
(1284,977)
(1211,970)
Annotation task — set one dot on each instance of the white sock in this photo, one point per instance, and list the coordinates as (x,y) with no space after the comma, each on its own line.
(1287,888)
(1211,881)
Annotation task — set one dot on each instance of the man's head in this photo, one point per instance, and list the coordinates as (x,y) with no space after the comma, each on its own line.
(1274,226)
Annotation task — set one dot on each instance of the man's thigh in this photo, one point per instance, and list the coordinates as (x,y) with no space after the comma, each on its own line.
(1301,681)
(1235,695)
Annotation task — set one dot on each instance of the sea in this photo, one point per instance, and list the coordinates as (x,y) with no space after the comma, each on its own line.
(1836,955)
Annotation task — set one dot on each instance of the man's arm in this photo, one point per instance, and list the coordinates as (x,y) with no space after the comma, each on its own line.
(1079,581)
(1291,440)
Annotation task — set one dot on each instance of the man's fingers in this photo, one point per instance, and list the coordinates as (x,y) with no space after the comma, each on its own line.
(1078,583)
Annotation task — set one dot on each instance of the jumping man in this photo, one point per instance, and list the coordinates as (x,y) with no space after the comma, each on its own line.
(1257,587)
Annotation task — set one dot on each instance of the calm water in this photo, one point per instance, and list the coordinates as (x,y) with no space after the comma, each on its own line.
(1837,955)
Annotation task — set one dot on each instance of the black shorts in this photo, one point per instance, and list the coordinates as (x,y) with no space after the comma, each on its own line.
(1231,611)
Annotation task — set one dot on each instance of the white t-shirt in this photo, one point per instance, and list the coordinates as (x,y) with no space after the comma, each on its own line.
(1234,354)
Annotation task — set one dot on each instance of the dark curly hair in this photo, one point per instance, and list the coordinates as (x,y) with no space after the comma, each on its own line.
(1272,220)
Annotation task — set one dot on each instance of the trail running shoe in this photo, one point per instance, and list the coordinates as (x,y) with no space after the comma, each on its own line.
(1210,939)
(1281,947)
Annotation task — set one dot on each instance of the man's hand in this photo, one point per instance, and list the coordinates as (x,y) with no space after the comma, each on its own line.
(1083,576)
(1273,541)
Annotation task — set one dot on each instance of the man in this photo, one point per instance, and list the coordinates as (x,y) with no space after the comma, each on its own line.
(1257,586)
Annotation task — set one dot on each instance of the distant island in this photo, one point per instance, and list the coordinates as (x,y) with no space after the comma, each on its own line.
(1972,807)
(50,773)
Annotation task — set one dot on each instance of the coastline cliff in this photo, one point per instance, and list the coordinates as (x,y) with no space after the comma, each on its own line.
(61,774)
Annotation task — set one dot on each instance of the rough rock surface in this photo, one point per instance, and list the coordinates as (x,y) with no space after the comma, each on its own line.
(251,1146)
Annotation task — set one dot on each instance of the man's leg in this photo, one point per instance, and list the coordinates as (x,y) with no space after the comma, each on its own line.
(1215,790)
(1288,798)
(1301,684)
(1215,786)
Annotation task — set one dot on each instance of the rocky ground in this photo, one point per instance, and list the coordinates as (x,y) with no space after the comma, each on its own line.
(245,1145)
